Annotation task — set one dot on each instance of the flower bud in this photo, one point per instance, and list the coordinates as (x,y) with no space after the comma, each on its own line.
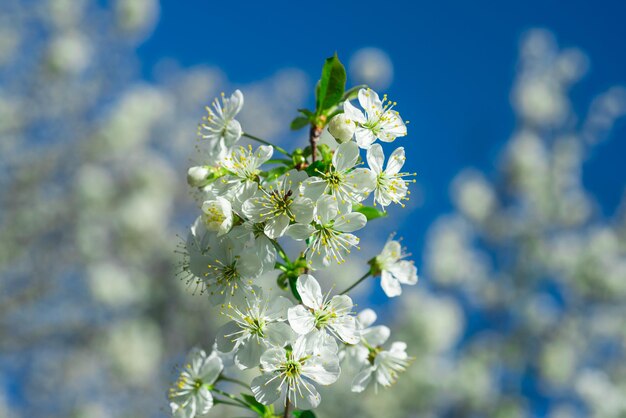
(197,176)
(341,128)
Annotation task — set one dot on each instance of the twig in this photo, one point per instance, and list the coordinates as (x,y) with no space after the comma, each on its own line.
(314,136)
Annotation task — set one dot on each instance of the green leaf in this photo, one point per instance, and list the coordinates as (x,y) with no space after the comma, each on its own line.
(255,405)
(299,123)
(331,85)
(317,167)
(306,112)
(369,211)
(303,414)
(294,290)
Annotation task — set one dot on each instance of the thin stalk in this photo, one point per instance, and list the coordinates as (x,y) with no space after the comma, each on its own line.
(233,380)
(280,251)
(231,396)
(281,266)
(262,141)
(222,401)
(314,135)
(365,276)
(287,404)
(279,161)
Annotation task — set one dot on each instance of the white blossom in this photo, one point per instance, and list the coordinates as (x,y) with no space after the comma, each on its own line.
(255,327)
(394,270)
(330,238)
(243,165)
(223,265)
(292,373)
(344,182)
(390,185)
(217,215)
(341,128)
(253,235)
(384,365)
(197,175)
(220,127)
(278,204)
(380,121)
(370,336)
(191,394)
(332,316)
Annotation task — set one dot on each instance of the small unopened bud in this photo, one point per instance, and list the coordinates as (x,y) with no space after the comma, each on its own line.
(197,176)
(341,128)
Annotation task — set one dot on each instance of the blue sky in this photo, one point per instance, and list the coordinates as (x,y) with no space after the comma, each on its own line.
(454,65)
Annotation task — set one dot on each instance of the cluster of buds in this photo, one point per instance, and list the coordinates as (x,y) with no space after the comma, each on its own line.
(249,201)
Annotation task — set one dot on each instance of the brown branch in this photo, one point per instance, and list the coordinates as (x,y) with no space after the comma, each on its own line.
(314,136)
(287,405)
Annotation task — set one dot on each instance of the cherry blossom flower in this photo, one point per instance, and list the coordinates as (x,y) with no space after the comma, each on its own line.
(292,373)
(191,394)
(380,121)
(332,316)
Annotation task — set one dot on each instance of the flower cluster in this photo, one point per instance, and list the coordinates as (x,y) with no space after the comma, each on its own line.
(249,201)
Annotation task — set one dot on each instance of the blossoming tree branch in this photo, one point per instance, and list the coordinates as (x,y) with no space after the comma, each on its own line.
(252,198)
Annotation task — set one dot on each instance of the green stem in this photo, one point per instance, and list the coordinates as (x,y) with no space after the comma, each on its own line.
(279,161)
(262,141)
(222,401)
(287,404)
(231,396)
(233,380)
(365,276)
(280,251)
(281,266)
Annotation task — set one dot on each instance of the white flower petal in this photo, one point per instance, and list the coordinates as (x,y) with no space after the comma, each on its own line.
(249,354)
(362,379)
(364,137)
(398,348)
(320,342)
(306,396)
(363,181)
(277,309)
(279,334)
(276,227)
(310,291)
(301,319)
(396,161)
(340,304)
(300,232)
(313,187)
(211,369)
(353,113)
(390,285)
(405,272)
(323,369)
(263,153)
(350,222)
(266,388)
(366,318)
(272,358)
(392,251)
(345,326)
(302,209)
(227,336)
(345,156)
(376,336)
(376,158)
(326,209)
(204,401)
(370,102)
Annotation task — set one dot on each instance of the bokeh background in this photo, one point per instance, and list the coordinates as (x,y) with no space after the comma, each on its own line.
(517,221)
